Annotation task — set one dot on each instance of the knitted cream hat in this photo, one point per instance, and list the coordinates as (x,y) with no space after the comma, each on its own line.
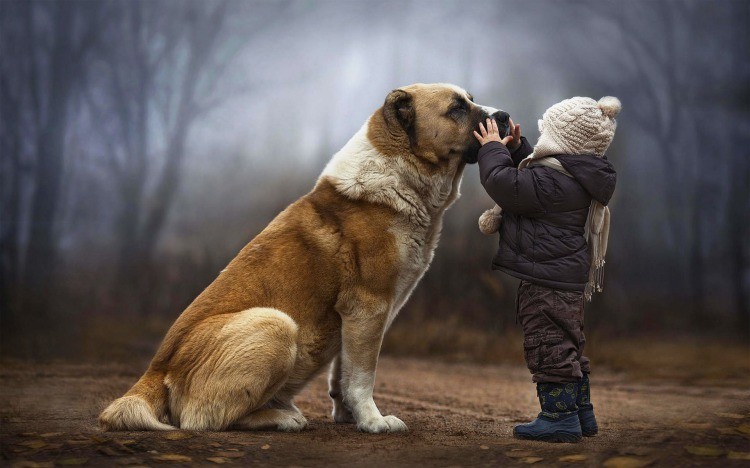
(578,125)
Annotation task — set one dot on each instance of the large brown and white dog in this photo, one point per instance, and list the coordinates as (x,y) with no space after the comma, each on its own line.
(321,284)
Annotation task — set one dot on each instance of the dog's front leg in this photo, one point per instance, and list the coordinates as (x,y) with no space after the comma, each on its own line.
(362,335)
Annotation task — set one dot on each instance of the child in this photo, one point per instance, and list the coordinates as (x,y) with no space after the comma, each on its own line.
(553,236)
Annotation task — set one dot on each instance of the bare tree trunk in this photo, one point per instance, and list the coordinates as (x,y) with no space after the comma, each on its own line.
(74,29)
(41,255)
(738,235)
(149,40)
(738,219)
(129,261)
(135,120)
(741,266)
(202,42)
(12,171)
(696,267)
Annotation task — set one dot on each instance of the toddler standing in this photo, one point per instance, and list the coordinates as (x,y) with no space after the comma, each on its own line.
(554,223)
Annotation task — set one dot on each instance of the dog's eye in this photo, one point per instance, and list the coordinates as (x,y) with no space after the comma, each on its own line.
(457,111)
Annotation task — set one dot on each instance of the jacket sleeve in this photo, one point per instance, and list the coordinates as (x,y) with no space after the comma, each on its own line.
(520,153)
(513,190)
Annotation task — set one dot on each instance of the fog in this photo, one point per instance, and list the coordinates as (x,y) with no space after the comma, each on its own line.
(144,143)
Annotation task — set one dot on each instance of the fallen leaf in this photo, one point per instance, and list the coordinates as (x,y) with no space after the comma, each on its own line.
(731,415)
(52,446)
(705,451)
(177,435)
(245,443)
(98,439)
(33,464)
(214,444)
(27,434)
(518,454)
(738,455)
(744,428)
(130,461)
(626,462)
(72,461)
(484,447)
(265,447)
(231,454)
(573,458)
(173,457)
(218,460)
(124,441)
(79,441)
(33,444)
(530,460)
(640,451)
(51,434)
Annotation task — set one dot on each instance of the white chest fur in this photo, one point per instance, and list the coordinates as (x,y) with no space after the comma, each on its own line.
(360,171)
(417,243)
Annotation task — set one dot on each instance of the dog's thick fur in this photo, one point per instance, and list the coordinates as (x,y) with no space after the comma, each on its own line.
(321,284)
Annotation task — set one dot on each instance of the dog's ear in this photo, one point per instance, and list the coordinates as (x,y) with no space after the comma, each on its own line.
(398,111)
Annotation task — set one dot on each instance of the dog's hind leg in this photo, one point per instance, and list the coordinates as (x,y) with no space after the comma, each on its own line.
(236,364)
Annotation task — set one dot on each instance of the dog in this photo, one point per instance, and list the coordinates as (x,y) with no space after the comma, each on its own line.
(320,284)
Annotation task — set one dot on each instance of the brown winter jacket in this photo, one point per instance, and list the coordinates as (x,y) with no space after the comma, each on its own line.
(544,213)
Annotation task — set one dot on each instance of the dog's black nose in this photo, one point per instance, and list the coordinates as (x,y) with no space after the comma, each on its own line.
(501,116)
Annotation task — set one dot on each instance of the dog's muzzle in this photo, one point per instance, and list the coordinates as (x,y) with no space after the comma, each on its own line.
(501,117)
(503,127)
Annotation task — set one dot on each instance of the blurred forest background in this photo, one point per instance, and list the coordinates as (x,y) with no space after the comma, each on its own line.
(143,143)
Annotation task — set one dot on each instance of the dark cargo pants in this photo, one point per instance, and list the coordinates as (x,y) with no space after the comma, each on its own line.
(553,342)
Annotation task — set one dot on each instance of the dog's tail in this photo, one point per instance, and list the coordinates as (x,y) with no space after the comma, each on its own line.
(141,409)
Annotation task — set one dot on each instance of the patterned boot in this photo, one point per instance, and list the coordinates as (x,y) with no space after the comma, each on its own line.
(585,408)
(558,421)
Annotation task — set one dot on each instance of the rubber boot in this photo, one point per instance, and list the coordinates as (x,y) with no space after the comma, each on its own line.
(586,416)
(558,421)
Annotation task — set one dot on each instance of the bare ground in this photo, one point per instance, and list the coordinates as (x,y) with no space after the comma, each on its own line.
(458,415)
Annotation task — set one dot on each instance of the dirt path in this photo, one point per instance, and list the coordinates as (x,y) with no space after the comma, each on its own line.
(458,414)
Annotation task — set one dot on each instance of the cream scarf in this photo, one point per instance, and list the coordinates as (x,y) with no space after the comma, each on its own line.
(596,230)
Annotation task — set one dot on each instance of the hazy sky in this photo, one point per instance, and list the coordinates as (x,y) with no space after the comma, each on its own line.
(307,74)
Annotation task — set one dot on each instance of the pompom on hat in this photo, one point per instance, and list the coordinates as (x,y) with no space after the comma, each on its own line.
(578,125)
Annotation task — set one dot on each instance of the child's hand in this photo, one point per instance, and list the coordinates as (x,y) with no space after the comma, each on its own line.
(515,132)
(493,134)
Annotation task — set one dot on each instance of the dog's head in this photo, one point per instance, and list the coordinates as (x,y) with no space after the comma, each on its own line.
(437,121)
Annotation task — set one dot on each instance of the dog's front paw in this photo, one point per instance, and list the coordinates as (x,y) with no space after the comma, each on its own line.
(294,423)
(382,424)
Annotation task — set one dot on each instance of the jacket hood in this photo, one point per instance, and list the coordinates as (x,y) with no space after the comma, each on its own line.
(596,174)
